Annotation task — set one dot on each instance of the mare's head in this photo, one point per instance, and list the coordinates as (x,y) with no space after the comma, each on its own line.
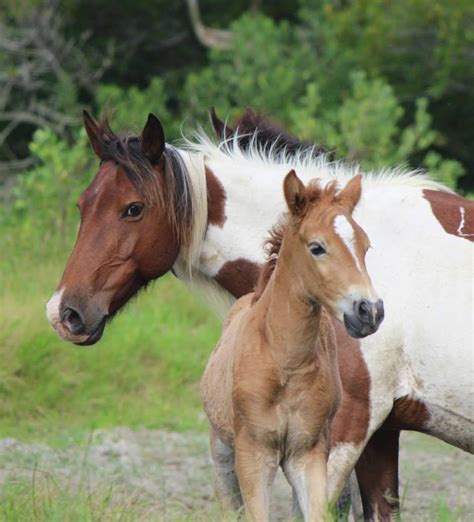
(134,216)
(328,252)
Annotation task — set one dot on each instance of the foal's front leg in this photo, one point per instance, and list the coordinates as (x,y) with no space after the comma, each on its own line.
(307,475)
(255,467)
(227,485)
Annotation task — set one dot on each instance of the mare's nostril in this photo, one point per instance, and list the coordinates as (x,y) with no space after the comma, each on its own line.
(73,320)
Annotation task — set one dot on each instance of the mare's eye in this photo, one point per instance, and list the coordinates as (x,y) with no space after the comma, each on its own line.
(133,211)
(317,249)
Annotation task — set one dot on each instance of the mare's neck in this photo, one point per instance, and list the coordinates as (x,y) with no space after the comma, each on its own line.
(292,319)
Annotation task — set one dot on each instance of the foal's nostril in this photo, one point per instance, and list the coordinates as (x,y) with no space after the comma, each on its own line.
(380,311)
(74,320)
(364,310)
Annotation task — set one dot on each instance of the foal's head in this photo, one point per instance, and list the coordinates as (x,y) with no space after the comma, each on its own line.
(328,252)
(134,217)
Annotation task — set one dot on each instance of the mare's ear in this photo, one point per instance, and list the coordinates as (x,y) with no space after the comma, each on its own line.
(350,194)
(295,193)
(153,139)
(222,130)
(92,129)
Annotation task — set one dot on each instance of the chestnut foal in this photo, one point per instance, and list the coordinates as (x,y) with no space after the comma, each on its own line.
(272,387)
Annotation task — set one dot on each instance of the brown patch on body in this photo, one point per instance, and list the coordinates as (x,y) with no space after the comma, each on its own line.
(454,213)
(407,414)
(216,198)
(352,418)
(238,277)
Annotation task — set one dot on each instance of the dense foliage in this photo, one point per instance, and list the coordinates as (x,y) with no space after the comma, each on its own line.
(379,82)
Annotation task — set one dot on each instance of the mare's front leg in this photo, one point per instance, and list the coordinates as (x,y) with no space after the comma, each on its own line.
(307,474)
(227,484)
(377,473)
(255,466)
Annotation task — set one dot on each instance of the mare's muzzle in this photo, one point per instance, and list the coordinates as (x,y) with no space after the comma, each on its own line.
(365,318)
(75,319)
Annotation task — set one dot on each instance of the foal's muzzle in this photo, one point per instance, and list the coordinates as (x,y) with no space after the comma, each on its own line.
(365,318)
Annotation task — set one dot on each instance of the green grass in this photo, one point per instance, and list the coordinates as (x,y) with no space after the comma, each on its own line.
(47,501)
(144,372)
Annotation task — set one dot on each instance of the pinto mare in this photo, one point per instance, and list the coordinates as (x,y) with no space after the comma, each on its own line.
(272,386)
(204,212)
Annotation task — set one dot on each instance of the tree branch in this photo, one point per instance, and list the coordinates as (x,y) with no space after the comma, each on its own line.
(213,38)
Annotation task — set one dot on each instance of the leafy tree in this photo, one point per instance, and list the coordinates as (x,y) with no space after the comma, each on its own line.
(421,48)
(44,198)
(133,104)
(42,77)
(363,121)
(365,127)
(266,68)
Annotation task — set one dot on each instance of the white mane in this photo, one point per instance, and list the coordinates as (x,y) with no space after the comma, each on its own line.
(305,162)
(185,267)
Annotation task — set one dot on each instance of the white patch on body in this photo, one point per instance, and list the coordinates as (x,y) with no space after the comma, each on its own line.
(346,232)
(342,460)
(424,346)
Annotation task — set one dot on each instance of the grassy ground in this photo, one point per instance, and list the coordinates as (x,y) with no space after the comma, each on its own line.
(141,475)
(143,374)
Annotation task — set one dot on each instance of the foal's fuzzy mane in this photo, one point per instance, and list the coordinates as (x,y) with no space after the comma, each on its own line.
(316,194)
(272,246)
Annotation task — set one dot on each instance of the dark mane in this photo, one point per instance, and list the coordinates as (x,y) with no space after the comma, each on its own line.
(254,128)
(315,194)
(171,191)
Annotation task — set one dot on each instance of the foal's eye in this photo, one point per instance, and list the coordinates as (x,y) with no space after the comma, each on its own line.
(317,249)
(133,211)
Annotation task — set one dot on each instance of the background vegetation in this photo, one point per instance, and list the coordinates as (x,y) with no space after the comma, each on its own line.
(377,81)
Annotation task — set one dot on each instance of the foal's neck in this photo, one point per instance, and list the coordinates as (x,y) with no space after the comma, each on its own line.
(292,319)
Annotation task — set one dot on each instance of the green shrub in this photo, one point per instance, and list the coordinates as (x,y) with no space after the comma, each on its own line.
(45,196)
(273,67)
(131,106)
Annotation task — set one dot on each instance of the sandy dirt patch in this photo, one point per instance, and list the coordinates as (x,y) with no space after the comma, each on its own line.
(171,472)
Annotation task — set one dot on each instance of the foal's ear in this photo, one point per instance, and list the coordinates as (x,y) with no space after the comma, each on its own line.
(92,129)
(295,193)
(350,194)
(220,128)
(153,139)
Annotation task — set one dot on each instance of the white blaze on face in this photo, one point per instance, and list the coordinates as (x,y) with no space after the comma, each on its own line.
(52,308)
(346,232)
